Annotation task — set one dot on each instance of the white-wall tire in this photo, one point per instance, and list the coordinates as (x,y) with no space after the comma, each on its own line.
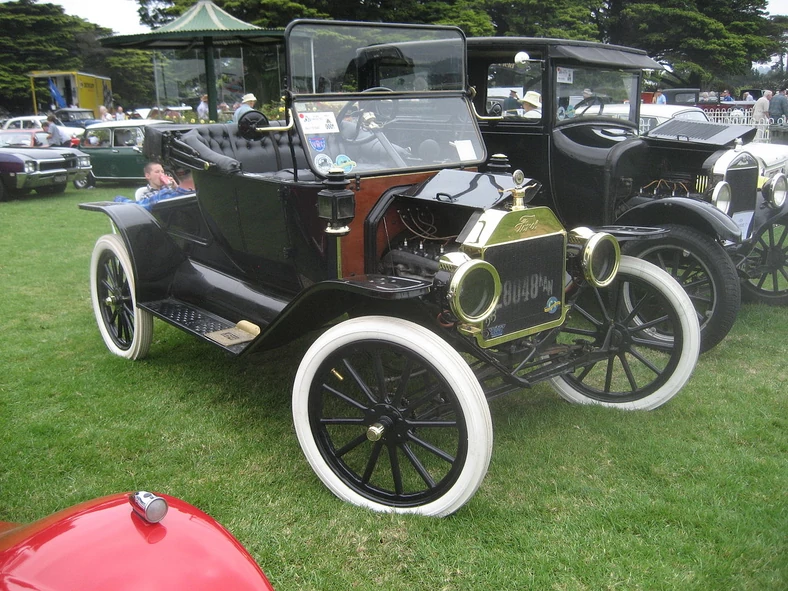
(126,329)
(640,372)
(373,372)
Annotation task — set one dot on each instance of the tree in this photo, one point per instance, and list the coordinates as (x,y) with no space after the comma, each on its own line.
(42,37)
(699,40)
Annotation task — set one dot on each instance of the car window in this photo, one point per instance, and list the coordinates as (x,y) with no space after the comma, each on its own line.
(16,139)
(515,90)
(125,137)
(96,138)
(684,98)
(693,115)
(587,91)
(647,124)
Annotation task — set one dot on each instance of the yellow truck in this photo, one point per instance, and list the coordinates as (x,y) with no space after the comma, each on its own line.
(66,89)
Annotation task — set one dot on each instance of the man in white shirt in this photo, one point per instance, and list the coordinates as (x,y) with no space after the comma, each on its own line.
(202,108)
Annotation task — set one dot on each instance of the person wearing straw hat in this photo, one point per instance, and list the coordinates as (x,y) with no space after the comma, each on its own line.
(532,105)
(247,104)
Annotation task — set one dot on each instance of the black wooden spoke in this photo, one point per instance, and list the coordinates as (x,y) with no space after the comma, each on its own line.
(628,371)
(418,466)
(396,471)
(636,353)
(344,397)
(351,445)
(432,449)
(362,384)
(372,462)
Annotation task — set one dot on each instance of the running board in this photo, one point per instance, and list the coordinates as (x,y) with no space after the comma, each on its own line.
(231,336)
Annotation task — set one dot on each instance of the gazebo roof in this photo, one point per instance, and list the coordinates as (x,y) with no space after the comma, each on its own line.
(201,21)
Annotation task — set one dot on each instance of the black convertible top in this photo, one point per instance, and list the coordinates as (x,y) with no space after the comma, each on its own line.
(579,51)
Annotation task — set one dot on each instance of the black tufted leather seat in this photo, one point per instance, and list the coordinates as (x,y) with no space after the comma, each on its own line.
(270,154)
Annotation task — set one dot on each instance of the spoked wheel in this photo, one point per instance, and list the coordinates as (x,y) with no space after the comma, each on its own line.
(704,270)
(631,365)
(391,418)
(126,329)
(769,258)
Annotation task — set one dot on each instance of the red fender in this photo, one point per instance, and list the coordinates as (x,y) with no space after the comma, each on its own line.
(103,544)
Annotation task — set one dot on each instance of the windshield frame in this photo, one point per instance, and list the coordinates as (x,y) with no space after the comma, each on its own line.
(315,67)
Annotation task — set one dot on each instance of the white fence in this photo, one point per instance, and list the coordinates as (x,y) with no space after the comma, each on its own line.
(739,115)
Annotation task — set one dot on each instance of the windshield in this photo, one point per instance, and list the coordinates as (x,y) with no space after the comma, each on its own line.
(596,92)
(369,135)
(331,57)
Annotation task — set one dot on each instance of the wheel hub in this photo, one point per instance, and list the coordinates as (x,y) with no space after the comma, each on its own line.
(382,420)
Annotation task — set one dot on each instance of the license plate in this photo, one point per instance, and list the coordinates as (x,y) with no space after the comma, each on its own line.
(60,178)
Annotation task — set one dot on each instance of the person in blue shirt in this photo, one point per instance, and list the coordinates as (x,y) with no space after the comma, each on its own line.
(659,98)
(726,96)
(247,104)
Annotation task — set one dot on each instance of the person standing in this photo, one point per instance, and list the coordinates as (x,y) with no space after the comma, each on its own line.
(57,135)
(202,108)
(247,104)
(760,111)
(659,98)
(760,114)
(778,108)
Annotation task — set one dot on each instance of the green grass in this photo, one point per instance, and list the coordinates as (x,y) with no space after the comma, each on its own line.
(690,496)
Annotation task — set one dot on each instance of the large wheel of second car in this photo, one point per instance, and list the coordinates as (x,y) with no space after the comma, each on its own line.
(704,270)
(769,260)
(391,418)
(622,327)
(126,329)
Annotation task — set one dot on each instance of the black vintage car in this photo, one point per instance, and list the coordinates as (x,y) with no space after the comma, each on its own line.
(725,206)
(436,286)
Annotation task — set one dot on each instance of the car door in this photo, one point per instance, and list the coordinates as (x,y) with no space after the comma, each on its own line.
(116,155)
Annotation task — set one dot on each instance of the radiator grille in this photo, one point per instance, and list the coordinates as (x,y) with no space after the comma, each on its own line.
(532,278)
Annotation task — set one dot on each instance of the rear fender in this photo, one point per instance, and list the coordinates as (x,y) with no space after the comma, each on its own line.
(147,242)
(688,212)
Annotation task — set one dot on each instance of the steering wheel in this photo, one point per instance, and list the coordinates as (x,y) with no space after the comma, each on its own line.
(249,122)
(354,112)
(594,100)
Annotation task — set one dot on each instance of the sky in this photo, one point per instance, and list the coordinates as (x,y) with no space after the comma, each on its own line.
(121,15)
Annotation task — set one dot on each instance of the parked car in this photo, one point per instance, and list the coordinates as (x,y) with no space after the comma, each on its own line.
(436,286)
(25,122)
(726,220)
(23,138)
(126,542)
(652,115)
(47,170)
(114,149)
(76,117)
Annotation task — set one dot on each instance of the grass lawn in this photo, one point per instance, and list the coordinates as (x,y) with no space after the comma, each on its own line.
(693,495)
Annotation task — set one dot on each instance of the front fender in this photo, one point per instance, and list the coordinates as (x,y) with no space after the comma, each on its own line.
(148,243)
(681,210)
(326,301)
